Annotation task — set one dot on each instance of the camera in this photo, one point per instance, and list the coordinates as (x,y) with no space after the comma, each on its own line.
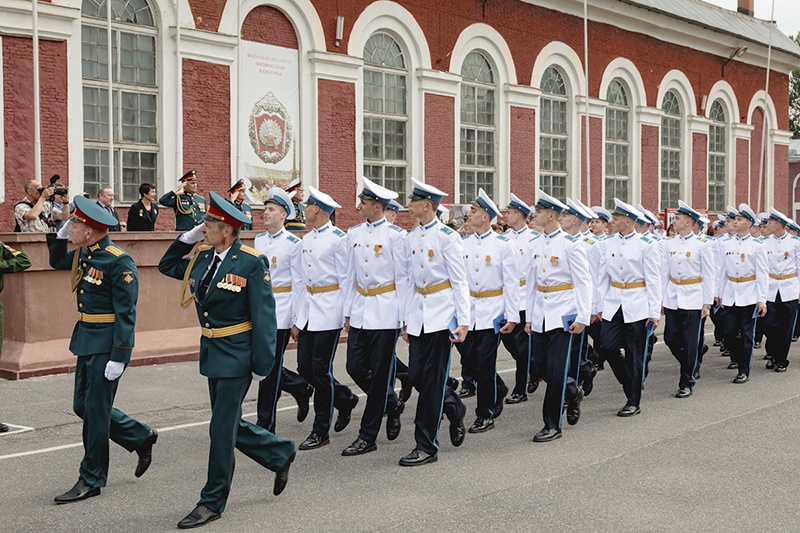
(59,190)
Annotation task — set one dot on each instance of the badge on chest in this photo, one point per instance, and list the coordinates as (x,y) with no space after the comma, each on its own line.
(94,276)
(232,282)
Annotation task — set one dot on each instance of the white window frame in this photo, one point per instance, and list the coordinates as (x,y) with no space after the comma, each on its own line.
(617,108)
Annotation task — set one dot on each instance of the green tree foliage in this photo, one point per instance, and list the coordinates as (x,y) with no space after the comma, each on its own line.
(794,97)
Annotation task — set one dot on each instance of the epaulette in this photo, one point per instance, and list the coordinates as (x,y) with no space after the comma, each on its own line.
(252,251)
(570,238)
(589,240)
(503,238)
(447,230)
(398,229)
(795,237)
(15,253)
(338,232)
(536,235)
(465,237)
(671,237)
(647,240)
(204,247)
(292,239)
(357,226)
(113,250)
(261,235)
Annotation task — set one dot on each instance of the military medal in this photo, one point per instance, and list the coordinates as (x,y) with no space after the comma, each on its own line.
(553,260)
(274,261)
(430,255)
(688,255)
(378,248)
(488,260)
(141,212)
(742,257)
(786,255)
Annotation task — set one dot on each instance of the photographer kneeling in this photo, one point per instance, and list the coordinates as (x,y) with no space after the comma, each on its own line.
(37,213)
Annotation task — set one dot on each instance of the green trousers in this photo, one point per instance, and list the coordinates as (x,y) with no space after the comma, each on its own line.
(93,400)
(229,431)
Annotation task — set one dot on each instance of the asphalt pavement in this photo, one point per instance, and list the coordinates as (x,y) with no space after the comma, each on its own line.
(721,460)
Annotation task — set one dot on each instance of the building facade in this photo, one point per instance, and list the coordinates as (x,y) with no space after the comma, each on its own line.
(462,94)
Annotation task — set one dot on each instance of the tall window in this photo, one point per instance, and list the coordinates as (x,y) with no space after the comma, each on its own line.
(617,144)
(134,91)
(477,127)
(553,135)
(385,113)
(717,145)
(670,151)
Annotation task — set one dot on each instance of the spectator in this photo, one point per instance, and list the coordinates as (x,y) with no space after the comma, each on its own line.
(105,199)
(143,214)
(36,212)
(671,231)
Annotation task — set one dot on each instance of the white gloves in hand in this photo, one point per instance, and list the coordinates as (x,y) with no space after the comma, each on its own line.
(63,233)
(256,377)
(114,370)
(194,235)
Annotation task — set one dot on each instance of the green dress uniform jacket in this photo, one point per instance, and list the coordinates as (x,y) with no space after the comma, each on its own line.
(241,291)
(247,210)
(189,210)
(11,261)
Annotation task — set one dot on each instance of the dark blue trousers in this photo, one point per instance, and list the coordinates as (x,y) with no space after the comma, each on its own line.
(552,351)
(739,326)
(779,327)
(681,331)
(480,352)
(518,344)
(617,334)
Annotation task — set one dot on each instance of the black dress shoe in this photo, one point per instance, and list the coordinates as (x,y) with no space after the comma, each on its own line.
(574,409)
(533,385)
(145,452)
(282,476)
(405,390)
(794,339)
(416,458)
(771,364)
(629,410)
(344,415)
(733,365)
(466,392)
(588,382)
(199,517)
(741,377)
(80,491)
(314,441)
(683,393)
(359,447)
(457,432)
(3,428)
(393,422)
(547,434)
(452,384)
(767,357)
(696,373)
(497,409)
(516,398)
(781,367)
(481,424)
(302,403)
(705,349)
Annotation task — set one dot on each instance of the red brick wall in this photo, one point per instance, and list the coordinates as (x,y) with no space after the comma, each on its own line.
(742,170)
(523,153)
(207,14)
(595,160)
(783,183)
(268,25)
(440,144)
(206,126)
(336,145)
(650,171)
(699,171)
(18,112)
(756,137)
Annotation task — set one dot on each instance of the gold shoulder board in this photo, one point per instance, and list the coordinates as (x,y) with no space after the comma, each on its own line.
(251,251)
(113,250)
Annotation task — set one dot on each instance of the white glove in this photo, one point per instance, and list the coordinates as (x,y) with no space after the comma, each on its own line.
(256,377)
(194,235)
(63,233)
(114,370)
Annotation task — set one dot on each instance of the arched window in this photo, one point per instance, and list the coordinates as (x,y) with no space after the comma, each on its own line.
(135,96)
(477,128)
(385,113)
(553,135)
(617,144)
(670,151)
(717,158)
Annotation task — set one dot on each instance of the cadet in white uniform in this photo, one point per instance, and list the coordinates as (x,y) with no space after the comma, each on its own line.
(518,343)
(559,292)
(742,290)
(627,300)
(493,278)
(320,316)
(438,296)
(688,280)
(283,251)
(378,267)
(783,258)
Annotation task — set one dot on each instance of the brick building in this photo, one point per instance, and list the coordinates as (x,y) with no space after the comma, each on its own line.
(462,93)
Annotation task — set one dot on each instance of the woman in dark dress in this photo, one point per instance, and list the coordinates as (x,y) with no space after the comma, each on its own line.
(142,215)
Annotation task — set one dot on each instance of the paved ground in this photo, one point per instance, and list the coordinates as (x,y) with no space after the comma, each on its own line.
(722,460)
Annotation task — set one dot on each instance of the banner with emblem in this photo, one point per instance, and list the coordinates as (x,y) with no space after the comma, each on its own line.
(269,117)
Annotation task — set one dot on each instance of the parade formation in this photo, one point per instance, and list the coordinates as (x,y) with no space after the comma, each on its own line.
(567,288)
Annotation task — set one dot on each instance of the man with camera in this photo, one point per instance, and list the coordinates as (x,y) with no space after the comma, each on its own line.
(36,213)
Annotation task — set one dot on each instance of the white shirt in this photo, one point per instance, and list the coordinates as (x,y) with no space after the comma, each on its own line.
(284,255)
(491,262)
(377,258)
(324,264)
(683,259)
(520,240)
(783,259)
(436,256)
(743,257)
(556,259)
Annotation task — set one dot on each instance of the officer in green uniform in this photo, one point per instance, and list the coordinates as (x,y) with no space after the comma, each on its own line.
(231,288)
(11,261)
(189,207)
(107,285)
(237,193)
(295,192)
